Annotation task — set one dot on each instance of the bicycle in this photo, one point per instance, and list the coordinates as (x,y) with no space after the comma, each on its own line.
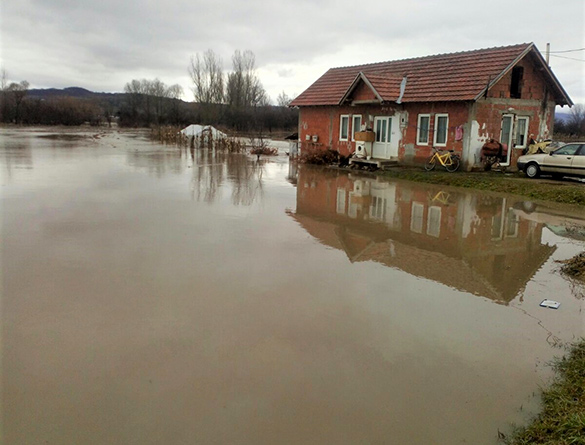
(447,159)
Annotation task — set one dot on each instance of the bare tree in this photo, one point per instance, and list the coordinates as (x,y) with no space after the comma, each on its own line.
(207,76)
(18,91)
(174,93)
(158,91)
(283,100)
(4,97)
(135,97)
(576,122)
(244,88)
(3,81)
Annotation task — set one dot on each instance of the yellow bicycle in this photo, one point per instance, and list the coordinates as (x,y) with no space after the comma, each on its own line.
(447,159)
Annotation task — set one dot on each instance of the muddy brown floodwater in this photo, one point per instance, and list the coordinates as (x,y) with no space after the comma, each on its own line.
(151,295)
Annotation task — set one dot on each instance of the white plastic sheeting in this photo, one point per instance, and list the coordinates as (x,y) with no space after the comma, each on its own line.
(196,130)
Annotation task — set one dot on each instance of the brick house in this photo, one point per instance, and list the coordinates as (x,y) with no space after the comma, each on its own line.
(455,101)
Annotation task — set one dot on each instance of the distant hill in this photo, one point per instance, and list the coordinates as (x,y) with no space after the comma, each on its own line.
(562,116)
(45,93)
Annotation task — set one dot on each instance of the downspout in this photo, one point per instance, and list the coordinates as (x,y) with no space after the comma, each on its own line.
(402,89)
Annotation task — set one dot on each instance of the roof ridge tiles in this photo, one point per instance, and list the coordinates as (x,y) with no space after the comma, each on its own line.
(457,53)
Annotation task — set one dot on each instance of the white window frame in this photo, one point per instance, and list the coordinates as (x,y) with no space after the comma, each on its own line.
(512,222)
(434,221)
(436,127)
(340,203)
(353,126)
(341,118)
(518,119)
(378,208)
(418,128)
(417,215)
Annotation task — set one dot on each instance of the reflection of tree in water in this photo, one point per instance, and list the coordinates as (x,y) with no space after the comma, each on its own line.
(246,177)
(212,168)
(16,153)
(208,173)
(157,163)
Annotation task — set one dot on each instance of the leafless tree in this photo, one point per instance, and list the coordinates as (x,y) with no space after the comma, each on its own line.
(135,97)
(283,100)
(207,76)
(3,81)
(576,121)
(174,92)
(18,91)
(244,88)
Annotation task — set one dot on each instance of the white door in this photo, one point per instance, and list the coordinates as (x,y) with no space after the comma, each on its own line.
(386,144)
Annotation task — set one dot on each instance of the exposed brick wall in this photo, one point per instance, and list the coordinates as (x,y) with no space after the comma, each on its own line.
(478,121)
(488,114)
(532,84)
(325,122)
(458,113)
(363,92)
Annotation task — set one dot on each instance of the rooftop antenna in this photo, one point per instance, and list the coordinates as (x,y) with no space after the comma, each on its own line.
(547,52)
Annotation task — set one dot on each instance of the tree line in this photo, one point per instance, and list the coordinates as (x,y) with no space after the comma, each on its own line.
(236,99)
(574,124)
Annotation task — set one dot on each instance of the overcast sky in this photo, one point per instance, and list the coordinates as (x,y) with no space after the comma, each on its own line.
(100,45)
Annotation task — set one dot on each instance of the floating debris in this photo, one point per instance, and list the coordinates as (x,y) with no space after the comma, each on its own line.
(575,267)
(550,304)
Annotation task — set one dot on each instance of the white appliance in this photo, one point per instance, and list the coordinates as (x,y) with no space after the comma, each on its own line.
(360,149)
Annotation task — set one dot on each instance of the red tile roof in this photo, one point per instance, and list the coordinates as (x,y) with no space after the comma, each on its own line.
(388,87)
(444,77)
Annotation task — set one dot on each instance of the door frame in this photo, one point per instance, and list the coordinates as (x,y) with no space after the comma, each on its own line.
(389,146)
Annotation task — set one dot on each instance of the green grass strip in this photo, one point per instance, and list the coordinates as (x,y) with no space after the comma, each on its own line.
(516,184)
(562,420)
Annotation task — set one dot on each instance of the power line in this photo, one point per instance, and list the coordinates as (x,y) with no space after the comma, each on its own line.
(567,51)
(569,58)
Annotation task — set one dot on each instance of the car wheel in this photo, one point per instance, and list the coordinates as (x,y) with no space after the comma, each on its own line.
(532,170)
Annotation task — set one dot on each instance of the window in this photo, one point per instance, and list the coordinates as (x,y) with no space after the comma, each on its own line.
(416,217)
(568,150)
(378,208)
(383,128)
(441,126)
(506,138)
(356,125)
(344,127)
(512,222)
(422,129)
(340,208)
(516,84)
(521,131)
(434,221)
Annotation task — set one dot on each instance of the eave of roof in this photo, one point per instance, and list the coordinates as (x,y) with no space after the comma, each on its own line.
(459,76)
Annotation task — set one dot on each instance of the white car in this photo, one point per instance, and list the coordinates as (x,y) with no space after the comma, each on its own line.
(569,160)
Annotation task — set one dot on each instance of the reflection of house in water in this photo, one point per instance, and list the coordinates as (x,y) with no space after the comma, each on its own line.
(471,242)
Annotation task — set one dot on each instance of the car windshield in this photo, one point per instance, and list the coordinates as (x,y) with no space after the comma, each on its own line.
(569,149)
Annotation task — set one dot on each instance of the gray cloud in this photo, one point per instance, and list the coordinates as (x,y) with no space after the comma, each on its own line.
(102,45)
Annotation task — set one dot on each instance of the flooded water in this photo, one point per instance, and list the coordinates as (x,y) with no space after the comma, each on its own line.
(152,295)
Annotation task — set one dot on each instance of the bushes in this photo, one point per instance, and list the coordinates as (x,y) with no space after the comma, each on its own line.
(319,157)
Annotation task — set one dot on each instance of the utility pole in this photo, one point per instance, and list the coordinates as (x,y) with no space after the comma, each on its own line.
(547,53)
